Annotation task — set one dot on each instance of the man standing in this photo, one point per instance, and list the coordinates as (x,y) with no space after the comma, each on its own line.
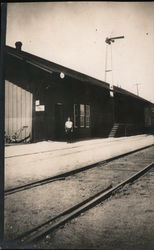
(69,129)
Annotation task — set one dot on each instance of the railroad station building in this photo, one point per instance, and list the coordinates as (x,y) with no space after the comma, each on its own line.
(40,95)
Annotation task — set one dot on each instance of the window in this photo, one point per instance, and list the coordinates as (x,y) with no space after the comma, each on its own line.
(82,115)
(75,115)
(87,116)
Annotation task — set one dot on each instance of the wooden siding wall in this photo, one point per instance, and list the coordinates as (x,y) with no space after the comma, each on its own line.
(44,123)
(18,111)
(128,109)
(148,116)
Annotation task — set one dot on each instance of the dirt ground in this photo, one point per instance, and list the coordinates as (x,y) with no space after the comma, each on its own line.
(47,159)
(123,222)
(28,209)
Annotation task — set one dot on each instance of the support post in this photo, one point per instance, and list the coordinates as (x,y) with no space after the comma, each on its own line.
(2,108)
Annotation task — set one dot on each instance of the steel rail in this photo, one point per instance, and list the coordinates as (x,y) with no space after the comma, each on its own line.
(37,233)
(62,176)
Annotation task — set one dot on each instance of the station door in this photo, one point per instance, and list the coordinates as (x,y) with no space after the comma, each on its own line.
(59,121)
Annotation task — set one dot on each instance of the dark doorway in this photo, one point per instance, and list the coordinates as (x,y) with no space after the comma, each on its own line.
(59,121)
(39,126)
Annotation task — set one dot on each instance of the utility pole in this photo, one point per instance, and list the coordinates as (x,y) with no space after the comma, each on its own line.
(109,41)
(137,84)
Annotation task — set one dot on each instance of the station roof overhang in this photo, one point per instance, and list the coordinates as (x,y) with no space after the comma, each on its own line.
(129,94)
(51,67)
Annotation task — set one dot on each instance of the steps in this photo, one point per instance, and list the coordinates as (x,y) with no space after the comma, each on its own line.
(114,130)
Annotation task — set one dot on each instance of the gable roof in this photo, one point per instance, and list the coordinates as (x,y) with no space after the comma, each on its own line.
(51,67)
(125,92)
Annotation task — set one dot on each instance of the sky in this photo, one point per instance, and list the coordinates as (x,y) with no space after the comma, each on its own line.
(73,34)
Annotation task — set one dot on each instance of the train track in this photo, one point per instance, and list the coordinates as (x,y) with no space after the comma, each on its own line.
(100,195)
(27,239)
(66,174)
